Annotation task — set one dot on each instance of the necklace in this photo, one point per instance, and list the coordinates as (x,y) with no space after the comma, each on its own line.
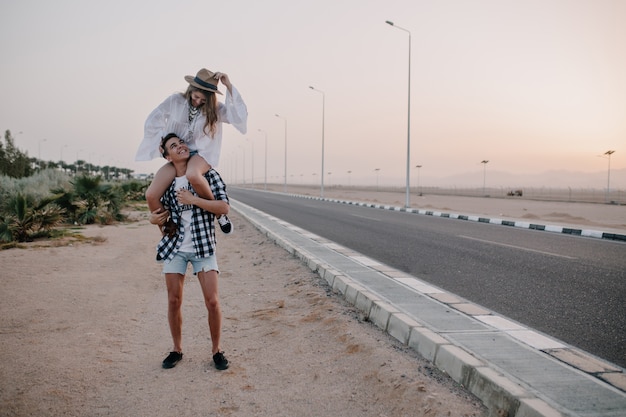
(193,112)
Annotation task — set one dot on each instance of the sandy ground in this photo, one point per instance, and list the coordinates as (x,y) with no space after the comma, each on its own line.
(83,331)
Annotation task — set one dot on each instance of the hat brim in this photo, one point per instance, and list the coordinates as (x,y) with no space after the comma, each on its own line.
(190,79)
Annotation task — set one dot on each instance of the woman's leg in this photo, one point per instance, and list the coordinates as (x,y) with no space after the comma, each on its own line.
(196,168)
(162,180)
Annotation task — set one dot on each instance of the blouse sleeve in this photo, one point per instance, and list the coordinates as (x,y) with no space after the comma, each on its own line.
(234,111)
(154,130)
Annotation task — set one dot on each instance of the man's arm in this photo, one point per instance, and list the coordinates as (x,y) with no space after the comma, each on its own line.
(217,207)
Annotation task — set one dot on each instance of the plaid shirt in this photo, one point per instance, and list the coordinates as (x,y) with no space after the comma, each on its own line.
(202,226)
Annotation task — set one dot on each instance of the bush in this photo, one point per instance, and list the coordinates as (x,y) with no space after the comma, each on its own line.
(37,186)
(30,207)
(23,217)
(90,201)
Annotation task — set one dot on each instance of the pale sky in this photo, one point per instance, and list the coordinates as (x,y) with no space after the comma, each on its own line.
(530,85)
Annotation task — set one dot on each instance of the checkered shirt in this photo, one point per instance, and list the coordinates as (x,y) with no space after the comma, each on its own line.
(202,226)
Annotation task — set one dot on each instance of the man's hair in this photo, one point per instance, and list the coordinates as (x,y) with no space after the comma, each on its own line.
(164,139)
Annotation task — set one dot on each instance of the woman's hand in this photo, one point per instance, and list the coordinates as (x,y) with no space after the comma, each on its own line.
(159,216)
(220,76)
(185,196)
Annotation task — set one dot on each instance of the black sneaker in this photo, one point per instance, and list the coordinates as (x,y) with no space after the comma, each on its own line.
(172,359)
(225,224)
(220,360)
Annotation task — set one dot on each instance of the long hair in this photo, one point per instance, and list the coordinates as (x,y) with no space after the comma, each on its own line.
(209,109)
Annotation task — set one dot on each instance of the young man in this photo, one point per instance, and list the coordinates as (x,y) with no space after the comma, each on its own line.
(190,240)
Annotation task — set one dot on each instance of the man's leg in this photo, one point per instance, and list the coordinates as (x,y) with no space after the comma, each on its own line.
(174,284)
(209,283)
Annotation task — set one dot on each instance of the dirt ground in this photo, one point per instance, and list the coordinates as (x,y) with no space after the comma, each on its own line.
(83,331)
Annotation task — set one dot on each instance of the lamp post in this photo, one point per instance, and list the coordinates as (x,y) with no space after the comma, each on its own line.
(63,147)
(323,114)
(484,162)
(608,179)
(408,128)
(252,161)
(377,170)
(285,120)
(243,149)
(418,179)
(39,150)
(265,178)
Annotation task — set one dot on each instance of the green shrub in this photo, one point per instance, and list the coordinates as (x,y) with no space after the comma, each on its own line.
(23,217)
(90,201)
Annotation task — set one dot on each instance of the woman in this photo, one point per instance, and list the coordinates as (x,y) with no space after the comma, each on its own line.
(196,117)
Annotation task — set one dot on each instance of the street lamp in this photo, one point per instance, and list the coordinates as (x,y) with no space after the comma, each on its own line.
(285,120)
(244,163)
(39,155)
(377,170)
(252,161)
(265,179)
(63,147)
(408,128)
(608,180)
(323,114)
(484,162)
(418,179)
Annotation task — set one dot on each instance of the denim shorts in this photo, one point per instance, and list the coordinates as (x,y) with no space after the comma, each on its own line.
(178,264)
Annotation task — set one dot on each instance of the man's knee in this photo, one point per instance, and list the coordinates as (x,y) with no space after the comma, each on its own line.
(212,304)
(175,301)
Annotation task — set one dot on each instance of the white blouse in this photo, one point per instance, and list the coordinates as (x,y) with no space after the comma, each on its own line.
(172,116)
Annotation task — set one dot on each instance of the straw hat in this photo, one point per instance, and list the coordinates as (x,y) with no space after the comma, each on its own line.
(204,80)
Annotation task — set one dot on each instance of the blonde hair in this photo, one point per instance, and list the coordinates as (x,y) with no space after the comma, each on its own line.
(209,109)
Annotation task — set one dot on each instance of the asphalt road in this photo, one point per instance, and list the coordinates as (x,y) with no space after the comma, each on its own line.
(570,287)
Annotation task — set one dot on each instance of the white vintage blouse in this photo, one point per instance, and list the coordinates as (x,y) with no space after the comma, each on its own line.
(172,116)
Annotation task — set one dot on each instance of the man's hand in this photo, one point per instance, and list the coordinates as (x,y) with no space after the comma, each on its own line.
(159,216)
(185,196)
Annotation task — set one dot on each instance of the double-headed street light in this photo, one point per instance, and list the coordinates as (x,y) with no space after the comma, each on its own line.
(408,129)
(323,113)
(285,120)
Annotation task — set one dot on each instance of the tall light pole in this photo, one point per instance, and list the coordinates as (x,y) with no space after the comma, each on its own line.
(418,179)
(484,162)
(252,161)
(285,120)
(265,179)
(323,114)
(408,128)
(63,147)
(377,170)
(39,155)
(608,179)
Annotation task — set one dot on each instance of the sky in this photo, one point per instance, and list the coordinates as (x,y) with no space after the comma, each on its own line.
(532,86)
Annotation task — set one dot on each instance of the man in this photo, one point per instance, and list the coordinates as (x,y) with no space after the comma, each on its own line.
(190,240)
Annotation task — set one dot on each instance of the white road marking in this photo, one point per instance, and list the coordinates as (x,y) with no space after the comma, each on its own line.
(518,247)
